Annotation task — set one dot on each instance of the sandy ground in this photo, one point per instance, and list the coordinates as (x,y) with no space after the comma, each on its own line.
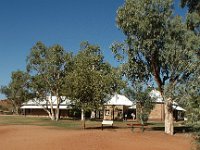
(45,138)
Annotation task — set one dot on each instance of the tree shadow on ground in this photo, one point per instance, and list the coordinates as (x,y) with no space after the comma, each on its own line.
(182,129)
(100,128)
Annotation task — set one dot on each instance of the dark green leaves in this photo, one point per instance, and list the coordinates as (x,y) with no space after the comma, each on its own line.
(17,90)
(92,79)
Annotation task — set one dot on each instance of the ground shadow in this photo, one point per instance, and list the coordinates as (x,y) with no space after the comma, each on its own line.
(100,128)
(181,129)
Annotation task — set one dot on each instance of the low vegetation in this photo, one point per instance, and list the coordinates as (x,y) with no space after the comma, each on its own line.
(77,124)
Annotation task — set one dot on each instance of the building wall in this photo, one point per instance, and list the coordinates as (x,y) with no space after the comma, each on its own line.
(35,112)
(157,113)
(118,112)
(41,112)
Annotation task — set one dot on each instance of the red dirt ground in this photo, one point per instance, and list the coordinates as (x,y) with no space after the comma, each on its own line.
(45,138)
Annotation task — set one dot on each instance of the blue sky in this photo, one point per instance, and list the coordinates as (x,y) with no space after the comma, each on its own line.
(64,22)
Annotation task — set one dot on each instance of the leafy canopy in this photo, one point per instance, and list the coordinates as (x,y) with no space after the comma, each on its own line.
(92,79)
(48,67)
(193,15)
(158,46)
(17,90)
(144,102)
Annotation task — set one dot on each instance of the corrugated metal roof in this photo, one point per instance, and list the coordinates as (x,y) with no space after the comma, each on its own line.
(118,99)
(40,104)
(155,94)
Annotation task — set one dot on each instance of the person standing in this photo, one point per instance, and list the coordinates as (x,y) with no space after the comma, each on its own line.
(125,117)
(133,115)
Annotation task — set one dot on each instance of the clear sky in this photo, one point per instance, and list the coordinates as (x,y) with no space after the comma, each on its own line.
(64,22)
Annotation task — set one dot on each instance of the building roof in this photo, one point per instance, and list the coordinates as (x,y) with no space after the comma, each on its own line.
(118,99)
(40,104)
(177,107)
(155,94)
(158,98)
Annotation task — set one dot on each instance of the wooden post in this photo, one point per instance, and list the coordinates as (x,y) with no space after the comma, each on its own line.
(113,112)
(24,112)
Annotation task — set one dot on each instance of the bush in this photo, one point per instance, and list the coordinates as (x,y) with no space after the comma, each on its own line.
(143,118)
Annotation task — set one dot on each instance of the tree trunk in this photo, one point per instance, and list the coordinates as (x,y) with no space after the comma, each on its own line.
(52,114)
(83,117)
(169,125)
(49,111)
(84,123)
(58,101)
(141,116)
(17,110)
(57,113)
(169,122)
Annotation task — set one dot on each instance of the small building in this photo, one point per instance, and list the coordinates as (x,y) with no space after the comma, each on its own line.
(179,112)
(117,107)
(158,112)
(37,107)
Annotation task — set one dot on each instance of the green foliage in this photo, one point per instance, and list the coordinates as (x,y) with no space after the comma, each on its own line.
(140,94)
(190,99)
(144,102)
(193,5)
(158,45)
(158,48)
(48,67)
(144,24)
(92,79)
(191,88)
(193,15)
(17,90)
(193,110)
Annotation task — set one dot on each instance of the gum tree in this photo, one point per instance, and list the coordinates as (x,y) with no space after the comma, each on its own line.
(17,90)
(48,67)
(92,79)
(191,89)
(158,48)
(193,14)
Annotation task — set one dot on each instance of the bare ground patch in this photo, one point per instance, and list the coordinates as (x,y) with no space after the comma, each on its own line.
(23,137)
